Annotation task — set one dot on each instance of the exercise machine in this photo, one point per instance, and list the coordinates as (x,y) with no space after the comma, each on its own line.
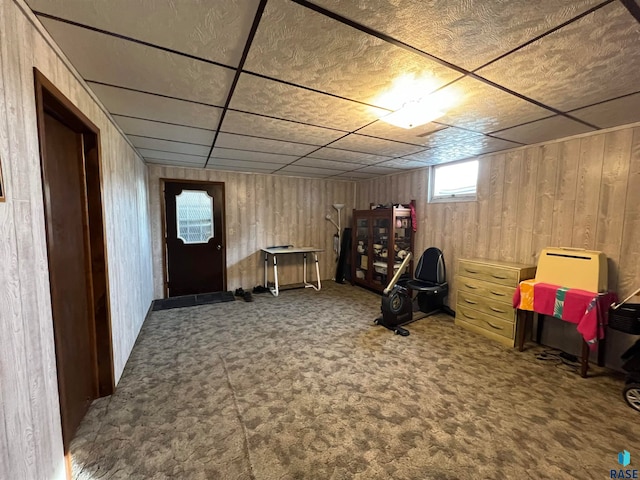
(397,304)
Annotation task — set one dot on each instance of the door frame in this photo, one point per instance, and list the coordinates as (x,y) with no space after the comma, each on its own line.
(163,213)
(53,102)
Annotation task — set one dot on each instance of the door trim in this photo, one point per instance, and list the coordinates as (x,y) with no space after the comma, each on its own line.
(163,210)
(50,100)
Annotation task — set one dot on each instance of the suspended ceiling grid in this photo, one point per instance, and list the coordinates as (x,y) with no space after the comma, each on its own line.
(293,87)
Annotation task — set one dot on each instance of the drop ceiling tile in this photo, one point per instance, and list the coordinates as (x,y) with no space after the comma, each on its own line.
(468,33)
(164,131)
(455,144)
(298,45)
(348,156)
(259,126)
(171,156)
(267,97)
(612,113)
(483,108)
(359,175)
(244,164)
(416,136)
(361,143)
(575,65)
(309,170)
(169,146)
(378,170)
(317,162)
(240,169)
(543,130)
(252,156)
(302,175)
(152,107)
(115,61)
(402,163)
(215,31)
(164,161)
(243,142)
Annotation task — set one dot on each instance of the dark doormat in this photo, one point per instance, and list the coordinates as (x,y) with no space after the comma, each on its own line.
(192,300)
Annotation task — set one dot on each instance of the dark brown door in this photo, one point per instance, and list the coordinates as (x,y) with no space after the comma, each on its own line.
(69,263)
(194,214)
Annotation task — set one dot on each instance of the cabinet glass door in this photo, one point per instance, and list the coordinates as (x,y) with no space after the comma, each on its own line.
(402,239)
(380,254)
(362,248)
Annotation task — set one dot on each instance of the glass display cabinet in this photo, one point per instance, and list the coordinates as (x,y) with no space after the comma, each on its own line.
(381,239)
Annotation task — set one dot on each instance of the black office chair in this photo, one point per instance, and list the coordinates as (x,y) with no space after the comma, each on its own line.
(430,281)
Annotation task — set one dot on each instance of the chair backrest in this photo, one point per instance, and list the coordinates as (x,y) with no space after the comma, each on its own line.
(430,267)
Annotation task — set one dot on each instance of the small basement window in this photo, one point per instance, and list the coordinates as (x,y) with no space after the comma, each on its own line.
(453,182)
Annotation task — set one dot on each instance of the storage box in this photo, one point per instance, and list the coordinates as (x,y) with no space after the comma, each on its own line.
(626,318)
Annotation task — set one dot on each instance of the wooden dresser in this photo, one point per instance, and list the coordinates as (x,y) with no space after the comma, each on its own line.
(485,295)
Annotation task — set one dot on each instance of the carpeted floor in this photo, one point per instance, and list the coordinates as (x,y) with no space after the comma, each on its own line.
(304,386)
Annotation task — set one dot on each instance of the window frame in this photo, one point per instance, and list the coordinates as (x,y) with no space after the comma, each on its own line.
(464,197)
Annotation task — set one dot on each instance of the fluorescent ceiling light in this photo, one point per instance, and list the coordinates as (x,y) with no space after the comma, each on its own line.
(413,114)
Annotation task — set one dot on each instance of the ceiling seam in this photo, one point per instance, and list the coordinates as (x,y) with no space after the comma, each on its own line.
(167,151)
(548,32)
(604,101)
(327,144)
(161,121)
(165,139)
(133,40)
(531,100)
(97,82)
(236,77)
(633,8)
(378,34)
(311,89)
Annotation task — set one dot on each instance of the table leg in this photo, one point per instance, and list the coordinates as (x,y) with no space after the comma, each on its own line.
(266,268)
(275,290)
(584,361)
(317,271)
(522,327)
(601,350)
(304,269)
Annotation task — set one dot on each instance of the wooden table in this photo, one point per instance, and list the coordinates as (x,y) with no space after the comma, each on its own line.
(588,310)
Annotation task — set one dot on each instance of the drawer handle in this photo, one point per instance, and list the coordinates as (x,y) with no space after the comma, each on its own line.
(471,271)
(497,327)
(470,286)
(498,294)
(470,301)
(498,276)
(498,310)
(469,316)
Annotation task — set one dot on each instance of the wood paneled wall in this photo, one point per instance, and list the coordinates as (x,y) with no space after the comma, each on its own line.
(261,211)
(30,437)
(581,192)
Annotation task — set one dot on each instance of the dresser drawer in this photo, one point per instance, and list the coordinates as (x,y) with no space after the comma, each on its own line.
(489,273)
(485,321)
(489,306)
(493,291)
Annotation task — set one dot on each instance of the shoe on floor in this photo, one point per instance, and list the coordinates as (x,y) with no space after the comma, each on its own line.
(248,297)
(260,289)
(239,292)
